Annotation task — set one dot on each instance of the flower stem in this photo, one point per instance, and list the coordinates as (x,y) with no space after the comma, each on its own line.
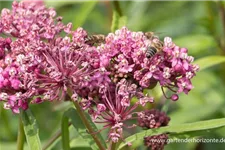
(49,143)
(166,105)
(53,139)
(113,147)
(20,136)
(222,16)
(88,126)
(117,8)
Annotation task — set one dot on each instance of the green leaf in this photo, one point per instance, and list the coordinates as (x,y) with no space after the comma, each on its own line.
(115,21)
(193,114)
(5,4)
(80,127)
(10,145)
(122,22)
(79,142)
(176,129)
(85,10)
(31,130)
(209,61)
(6,129)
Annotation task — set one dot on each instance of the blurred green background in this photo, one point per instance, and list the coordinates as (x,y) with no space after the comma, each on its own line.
(198,26)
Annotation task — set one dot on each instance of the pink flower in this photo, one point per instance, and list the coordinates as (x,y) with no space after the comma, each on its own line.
(30,21)
(4,46)
(114,108)
(15,83)
(127,51)
(66,64)
(28,24)
(37,3)
(16,88)
(184,85)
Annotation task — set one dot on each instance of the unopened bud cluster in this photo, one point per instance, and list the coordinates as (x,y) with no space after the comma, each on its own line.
(151,119)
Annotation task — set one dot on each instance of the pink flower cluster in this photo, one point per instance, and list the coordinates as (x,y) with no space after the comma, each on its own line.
(11,83)
(156,142)
(114,107)
(30,21)
(27,25)
(37,63)
(41,63)
(125,54)
(150,119)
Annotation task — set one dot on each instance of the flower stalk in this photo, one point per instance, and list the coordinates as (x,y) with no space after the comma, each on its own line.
(222,16)
(53,138)
(117,8)
(87,125)
(113,146)
(20,136)
(85,121)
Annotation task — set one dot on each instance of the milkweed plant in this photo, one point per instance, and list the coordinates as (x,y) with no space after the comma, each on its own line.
(104,77)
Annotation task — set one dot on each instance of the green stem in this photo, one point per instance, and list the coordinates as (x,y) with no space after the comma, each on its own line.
(211,21)
(87,125)
(117,8)
(65,133)
(166,105)
(113,147)
(53,139)
(86,122)
(20,136)
(222,15)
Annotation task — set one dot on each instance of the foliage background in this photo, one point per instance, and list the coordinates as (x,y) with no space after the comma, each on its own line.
(199,26)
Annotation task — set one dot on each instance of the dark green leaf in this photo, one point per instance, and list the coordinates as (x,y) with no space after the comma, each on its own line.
(79,142)
(31,130)
(176,129)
